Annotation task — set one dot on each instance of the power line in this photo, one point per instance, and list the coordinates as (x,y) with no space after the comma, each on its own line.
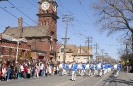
(24,14)
(88,16)
(31,3)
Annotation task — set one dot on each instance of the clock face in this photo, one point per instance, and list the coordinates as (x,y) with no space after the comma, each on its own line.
(54,7)
(45,5)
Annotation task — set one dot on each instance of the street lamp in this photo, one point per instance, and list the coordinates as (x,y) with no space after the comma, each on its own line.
(18,41)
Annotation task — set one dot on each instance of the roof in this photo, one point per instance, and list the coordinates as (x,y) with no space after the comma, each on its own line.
(29,31)
(71,48)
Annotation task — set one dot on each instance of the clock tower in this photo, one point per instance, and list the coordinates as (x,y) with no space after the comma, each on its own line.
(47,16)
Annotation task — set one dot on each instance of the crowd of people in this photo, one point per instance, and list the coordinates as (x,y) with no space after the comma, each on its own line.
(25,70)
(35,68)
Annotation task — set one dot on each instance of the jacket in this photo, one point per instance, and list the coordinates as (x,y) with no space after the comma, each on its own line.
(74,67)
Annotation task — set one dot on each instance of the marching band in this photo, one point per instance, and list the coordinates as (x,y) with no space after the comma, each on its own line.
(88,68)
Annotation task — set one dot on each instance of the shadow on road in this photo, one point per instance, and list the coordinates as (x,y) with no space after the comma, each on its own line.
(113,81)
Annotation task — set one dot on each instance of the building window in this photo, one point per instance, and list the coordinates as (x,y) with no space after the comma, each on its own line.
(62,50)
(69,56)
(3,50)
(10,51)
(59,57)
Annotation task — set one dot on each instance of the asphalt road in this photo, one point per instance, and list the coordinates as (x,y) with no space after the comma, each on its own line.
(123,79)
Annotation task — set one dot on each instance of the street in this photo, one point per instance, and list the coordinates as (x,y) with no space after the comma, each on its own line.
(107,80)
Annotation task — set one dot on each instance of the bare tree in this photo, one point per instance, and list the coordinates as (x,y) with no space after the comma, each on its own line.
(114,15)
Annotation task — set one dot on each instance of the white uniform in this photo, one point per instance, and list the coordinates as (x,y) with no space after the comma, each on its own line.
(87,69)
(116,71)
(99,69)
(69,69)
(79,69)
(61,69)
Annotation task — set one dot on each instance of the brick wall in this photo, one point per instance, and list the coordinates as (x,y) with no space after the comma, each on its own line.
(8,50)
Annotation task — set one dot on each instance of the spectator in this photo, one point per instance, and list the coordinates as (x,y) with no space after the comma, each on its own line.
(8,72)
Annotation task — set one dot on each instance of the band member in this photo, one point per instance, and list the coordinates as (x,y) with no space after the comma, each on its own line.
(74,69)
(103,68)
(69,68)
(79,69)
(87,69)
(116,68)
(61,68)
(93,68)
(83,69)
(99,69)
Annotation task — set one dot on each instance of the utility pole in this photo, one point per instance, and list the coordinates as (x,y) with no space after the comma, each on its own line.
(89,40)
(66,18)
(102,51)
(96,51)
(106,54)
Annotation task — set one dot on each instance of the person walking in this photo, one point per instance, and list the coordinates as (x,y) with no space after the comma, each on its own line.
(74,69)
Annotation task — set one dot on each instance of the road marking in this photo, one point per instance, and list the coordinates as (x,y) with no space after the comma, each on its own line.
(101,79)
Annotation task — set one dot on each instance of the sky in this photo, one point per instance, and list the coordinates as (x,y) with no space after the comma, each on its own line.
(79,29)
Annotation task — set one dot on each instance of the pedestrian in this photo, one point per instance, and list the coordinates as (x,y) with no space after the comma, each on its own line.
(8,72)
(74,69)
(19,71)
(22,70)
(25,70)
(28,72)
(4,72)
(37,70)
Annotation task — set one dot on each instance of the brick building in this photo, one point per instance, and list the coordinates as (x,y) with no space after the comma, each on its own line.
(8,48)
(42,38)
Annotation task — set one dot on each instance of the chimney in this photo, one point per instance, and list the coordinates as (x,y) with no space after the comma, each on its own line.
(20,22)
